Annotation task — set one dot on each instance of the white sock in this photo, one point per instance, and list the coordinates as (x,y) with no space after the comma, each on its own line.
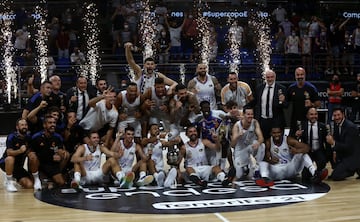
(142,174)
(77,176)
(221,176)
(155,175)
(36,175)
(120,175)
(9,177)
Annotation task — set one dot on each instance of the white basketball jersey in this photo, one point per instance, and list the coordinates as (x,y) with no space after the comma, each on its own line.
(94,164)
(281,152)
(206,91)
(195,156)
(130,107)
(248,137)
(127,160)
(157,153)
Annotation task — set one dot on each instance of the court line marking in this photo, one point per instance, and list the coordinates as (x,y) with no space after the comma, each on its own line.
(221,217)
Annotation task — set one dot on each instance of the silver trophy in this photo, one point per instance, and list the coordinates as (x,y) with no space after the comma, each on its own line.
(172,156)
(280,92)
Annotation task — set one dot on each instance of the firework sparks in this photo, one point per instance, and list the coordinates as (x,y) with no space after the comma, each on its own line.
(148,31)
(204,32)
(131,74)
(234,46)
(41,37)
(260,25)
(91,32)
(9,71)
(182,71)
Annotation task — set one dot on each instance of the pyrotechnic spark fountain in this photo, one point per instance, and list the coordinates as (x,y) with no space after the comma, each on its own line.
(41,37)
(147,30)
(91,32)
(234,46)
(203,27)
(260,25)
(9,69)
(182,71)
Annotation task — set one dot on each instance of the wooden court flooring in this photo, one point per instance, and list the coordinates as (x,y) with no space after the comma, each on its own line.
(342,203)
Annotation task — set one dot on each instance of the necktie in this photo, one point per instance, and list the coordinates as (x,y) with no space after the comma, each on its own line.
(83,104)
(311,135)
(268,102)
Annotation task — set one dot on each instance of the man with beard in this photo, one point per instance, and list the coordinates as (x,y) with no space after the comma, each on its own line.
(247,140)
(209,124)
(303,95)
(37,106)
(145,78)
(285,157)
(196,163)
(128,103)
(237,91)
(205,86)
(48,146)
(314,134)
(87,163)
(183,108)
(12,161)
(345,147)
(156,104)
(102,116)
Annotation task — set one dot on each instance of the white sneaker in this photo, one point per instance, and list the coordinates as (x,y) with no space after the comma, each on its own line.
(170,179)
(160,179)
(145,180)
(37,184)
(10,186)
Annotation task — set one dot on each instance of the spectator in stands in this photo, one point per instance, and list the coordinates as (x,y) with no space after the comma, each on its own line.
(175,37)
(347,59)
(335,93)
(288,27)
(292,51)
(303,26)
(280,39)
(77,58)
(355,94)
(163,46)
(117,20)
(63,43)
(21,40)
(306,54)
(279,13)
(189,34)
(131,15)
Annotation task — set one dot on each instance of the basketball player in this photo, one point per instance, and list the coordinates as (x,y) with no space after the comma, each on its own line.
(125,152)
(153,147)
(285,158)
(205,86)
(87,163)
(145,78)
(12,161)
(247,140)
(196,163)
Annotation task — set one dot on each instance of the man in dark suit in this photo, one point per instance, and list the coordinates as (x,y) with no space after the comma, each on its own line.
(269,103)
(314,134)
(77,98)
(345,146)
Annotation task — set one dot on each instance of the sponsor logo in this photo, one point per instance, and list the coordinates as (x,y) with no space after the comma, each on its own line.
(244,195)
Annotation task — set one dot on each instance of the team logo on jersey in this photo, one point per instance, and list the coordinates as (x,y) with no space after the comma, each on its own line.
(243,195)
